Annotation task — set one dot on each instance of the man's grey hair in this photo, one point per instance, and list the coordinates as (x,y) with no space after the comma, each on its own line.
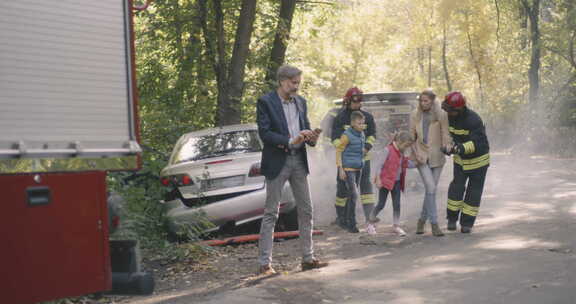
(287,72)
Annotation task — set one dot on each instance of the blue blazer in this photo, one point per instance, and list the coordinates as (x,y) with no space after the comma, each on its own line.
(273,131)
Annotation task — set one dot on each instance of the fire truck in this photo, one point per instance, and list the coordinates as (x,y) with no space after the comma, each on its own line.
(68,115)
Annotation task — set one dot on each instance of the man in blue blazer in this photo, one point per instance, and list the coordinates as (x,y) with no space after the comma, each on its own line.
(284,129)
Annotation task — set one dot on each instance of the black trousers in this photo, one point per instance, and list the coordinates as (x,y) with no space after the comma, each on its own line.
(383,195)
(465,194)
(366,191)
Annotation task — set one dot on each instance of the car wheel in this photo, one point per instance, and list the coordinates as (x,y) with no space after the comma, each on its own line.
(288,221)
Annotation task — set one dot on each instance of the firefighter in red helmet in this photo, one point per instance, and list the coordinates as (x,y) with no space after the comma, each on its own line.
(471,154)
(352,101)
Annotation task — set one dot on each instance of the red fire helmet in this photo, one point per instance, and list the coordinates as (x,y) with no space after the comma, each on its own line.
(454,101)
(353,94)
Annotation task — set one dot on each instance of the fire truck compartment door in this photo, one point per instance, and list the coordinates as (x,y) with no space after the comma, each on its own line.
(54,236)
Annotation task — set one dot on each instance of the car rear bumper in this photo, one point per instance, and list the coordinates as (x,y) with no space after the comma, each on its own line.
(237,210)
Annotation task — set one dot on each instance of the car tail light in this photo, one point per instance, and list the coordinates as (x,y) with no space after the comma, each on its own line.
(186,180)
(115,221)
(183,180)
(255,170)
(165,181)
(177,180)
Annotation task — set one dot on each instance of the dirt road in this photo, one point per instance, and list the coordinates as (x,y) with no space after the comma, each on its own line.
(522,250)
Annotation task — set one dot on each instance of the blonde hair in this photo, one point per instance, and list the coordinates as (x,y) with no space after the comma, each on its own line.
(356,115)
(403,137)
(427,92)
(435,110)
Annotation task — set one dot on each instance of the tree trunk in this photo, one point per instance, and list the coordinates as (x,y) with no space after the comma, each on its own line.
(420,54)
(571,49)
(221,66)
(523,25)
(278,54)
(208,40)
(430,66)
(207,37)
(430,39)
(230,112)
(230,83)
(188,52)
(476,65)
(444,63)
(533,12)
(497,25)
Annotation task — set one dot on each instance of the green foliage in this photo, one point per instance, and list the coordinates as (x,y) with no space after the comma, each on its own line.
(382,45)
(143,216)
(376,45)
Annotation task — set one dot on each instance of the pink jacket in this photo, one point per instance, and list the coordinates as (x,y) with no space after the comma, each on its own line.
(390,167)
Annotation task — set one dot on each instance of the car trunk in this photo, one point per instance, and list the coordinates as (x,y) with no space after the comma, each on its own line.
(219,176)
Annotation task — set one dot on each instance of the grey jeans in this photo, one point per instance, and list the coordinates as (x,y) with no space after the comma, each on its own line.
(430,178)
(294,171)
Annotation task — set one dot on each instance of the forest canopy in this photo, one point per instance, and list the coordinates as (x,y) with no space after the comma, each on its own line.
(203,63)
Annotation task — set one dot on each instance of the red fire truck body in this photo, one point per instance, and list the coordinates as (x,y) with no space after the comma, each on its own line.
(68,108)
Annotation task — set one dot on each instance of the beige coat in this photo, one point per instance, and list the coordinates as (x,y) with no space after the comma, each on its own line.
(438,136)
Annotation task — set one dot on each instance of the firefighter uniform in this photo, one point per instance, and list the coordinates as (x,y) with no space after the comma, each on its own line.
(367,197)
(326,125)
(471,161)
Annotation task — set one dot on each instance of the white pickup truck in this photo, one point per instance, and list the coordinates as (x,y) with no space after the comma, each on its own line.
(391,111)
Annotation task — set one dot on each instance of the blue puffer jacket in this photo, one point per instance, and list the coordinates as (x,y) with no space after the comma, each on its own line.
(352,155)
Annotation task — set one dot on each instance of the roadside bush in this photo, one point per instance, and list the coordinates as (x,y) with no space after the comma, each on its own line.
(142,214)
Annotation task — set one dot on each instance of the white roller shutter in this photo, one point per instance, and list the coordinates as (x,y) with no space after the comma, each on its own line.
(65,81)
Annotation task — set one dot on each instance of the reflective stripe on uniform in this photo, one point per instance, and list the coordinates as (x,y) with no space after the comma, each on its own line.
(368,198)
(340,201)
(473,163)
(367,156)
(346,127)
(371,140)
(454,205)
(459,131)
(469,210)
(469,147)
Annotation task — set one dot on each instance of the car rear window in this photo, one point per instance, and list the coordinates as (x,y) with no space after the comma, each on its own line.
(215,145)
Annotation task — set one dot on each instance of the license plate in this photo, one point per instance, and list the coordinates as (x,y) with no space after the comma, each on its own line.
(222,182)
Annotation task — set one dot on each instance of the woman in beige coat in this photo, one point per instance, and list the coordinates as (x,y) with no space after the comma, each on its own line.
(429,126)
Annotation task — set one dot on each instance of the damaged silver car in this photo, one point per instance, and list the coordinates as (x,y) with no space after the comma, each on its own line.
(216,172)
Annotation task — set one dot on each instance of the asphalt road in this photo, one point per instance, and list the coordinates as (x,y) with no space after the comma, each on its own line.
(522,250)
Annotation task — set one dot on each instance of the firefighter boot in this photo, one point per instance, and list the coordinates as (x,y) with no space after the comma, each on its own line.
(341,217)
(465,229)
(436,231)
(451,225)
(420,226)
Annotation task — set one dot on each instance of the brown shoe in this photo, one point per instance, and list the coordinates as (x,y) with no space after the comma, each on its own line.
(420,226)
(266,270)
(314,264)
(436,231)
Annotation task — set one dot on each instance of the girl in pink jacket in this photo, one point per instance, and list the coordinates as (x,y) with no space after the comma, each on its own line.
(391,178)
